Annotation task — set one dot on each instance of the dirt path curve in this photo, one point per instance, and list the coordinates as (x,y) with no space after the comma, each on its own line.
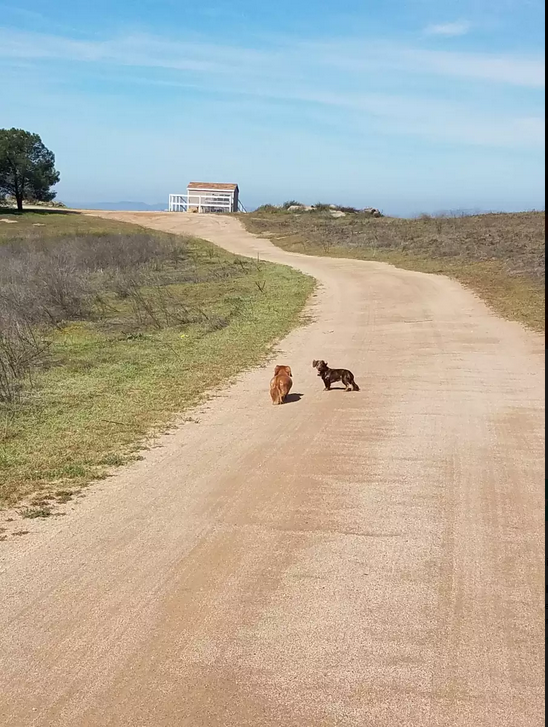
(370,559)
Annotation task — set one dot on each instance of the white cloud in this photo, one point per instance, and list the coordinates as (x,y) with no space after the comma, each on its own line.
(459,27)
(288,60)
(379,56)
(509,69)
(332,78)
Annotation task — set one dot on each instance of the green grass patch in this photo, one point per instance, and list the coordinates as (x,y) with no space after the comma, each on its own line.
(52,224)
(109,382)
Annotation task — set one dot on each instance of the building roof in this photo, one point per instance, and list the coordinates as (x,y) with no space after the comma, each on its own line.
(211,185)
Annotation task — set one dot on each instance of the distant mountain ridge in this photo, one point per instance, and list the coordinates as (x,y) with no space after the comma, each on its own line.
(119,206)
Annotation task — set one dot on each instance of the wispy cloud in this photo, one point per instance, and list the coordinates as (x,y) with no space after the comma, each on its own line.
(511,69)
(335,76)
(284,58)
(459,27)
(38,21)
(504,69)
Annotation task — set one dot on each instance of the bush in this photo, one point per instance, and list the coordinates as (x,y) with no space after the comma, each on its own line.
(45,283)
(21,348)
(348,210)
(268,208)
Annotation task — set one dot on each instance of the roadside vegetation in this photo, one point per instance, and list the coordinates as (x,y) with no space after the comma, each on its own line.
(499,256)
(107,332)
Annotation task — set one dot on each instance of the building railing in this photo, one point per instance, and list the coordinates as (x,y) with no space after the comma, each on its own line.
(207,202)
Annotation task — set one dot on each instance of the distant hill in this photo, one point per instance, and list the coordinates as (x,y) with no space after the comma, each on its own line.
(121,206)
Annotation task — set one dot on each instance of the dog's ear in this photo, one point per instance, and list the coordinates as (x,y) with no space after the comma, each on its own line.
(277,370)
(314,364)
(290,373)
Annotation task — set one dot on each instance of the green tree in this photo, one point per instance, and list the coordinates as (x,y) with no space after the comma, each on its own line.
(27,167)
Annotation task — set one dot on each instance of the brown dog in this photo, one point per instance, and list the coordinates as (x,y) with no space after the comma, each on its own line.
(330,376)
(281,384)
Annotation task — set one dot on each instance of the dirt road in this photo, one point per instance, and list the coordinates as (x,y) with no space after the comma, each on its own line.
(369,559)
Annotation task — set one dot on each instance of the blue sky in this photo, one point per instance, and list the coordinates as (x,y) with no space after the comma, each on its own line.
(407,106)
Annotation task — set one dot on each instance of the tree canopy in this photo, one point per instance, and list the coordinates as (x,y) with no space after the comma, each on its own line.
(27,167)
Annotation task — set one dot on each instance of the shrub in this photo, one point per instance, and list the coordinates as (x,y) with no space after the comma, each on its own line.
(47,282)
(268,208)
(21,348)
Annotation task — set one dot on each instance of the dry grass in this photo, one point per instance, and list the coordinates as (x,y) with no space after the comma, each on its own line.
(118,370)
(499,256)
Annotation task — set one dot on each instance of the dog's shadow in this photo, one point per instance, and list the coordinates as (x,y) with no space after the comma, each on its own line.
(291,398)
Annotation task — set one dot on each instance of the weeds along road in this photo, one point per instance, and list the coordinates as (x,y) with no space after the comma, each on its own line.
(370,559)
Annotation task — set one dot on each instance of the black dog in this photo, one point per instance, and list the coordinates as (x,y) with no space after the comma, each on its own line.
(330,376)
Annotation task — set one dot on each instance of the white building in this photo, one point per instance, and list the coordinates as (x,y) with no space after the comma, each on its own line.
(207,197)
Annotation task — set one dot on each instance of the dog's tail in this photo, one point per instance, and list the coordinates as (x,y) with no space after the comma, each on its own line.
(355,386)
